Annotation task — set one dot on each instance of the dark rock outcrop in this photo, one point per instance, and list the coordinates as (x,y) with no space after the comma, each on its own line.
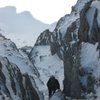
(72,86)
(44,38)
(55,47)
(71,34)
(3,87)
(29,89)
(84,27)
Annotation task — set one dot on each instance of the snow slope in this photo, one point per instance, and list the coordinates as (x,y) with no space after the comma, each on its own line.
(47,65)
(8,49)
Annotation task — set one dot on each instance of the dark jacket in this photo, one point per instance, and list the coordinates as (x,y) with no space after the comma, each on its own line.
(53,83)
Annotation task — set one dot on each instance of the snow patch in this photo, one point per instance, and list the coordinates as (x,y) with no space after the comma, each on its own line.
(89,55)
(47,65)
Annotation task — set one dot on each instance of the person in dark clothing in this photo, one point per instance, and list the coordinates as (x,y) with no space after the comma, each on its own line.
(52,85)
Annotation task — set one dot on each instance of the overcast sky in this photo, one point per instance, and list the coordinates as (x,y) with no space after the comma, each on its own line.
(47,11)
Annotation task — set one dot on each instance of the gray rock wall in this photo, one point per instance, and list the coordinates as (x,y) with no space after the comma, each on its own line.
(14,84)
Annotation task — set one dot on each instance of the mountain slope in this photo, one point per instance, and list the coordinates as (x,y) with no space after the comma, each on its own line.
(47,65)
(18,25)
(75,41)
(8,49)
(16,63)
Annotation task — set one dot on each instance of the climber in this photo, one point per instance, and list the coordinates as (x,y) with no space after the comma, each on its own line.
(52,85)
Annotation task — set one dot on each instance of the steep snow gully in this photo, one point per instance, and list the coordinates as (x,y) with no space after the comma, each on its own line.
(71,53)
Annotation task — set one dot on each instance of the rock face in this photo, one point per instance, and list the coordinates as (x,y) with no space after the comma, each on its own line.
(30,90)
(72,62)
(67,41)
(13,84)
(3,86)
(89,30)
(83,22)
(44,38)
(86,31)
